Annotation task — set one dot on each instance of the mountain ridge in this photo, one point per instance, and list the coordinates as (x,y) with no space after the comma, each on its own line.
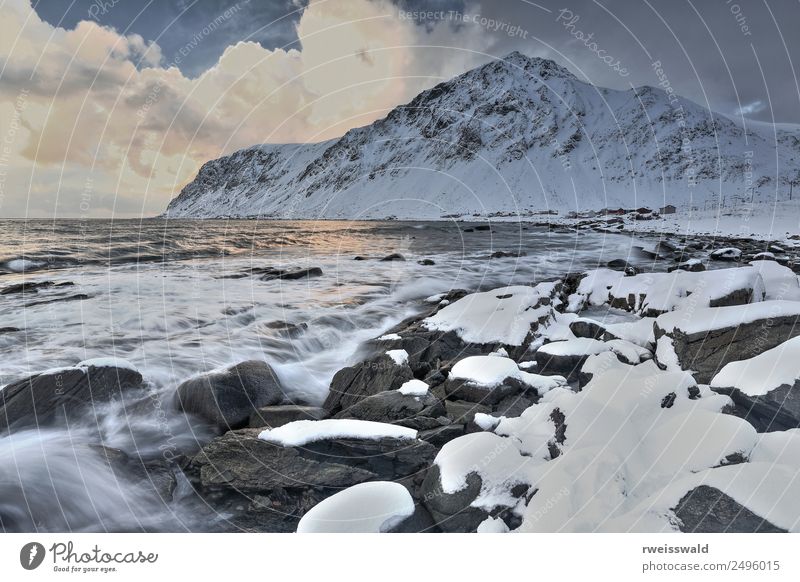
(516,135)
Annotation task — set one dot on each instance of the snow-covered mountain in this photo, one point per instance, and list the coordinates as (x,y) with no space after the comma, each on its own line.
(516,135)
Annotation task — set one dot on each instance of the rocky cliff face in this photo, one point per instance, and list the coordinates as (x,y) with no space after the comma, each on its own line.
(517,135)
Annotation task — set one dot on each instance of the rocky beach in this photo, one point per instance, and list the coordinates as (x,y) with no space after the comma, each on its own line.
(657,391)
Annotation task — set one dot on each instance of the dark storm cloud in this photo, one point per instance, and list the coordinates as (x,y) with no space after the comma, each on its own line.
(171,23)
(734,56)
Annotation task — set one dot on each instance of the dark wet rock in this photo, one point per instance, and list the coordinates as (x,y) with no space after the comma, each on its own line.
(622,265)
(567,365)
(269,274)
(471,392)
(706,509)
(706,352)
(668,400)
(418,522)
(468,229)
(691,266)
(426,262)
(359,258)
(506,254)
(63,396)
(483,227)
(393,257)
(226,399)
(777,410)
(287,328)
(588,328)
(513,406)
(352,384)
(442,435)
(9,330)
(76,297)
(275,416)
(726,254)
(33,286)
(453,512)
(392,406)
(463,412)
(268,487)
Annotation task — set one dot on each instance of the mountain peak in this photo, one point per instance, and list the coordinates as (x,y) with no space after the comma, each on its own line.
(544,68)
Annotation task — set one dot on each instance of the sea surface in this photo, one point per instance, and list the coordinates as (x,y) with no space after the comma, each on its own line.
(176,298)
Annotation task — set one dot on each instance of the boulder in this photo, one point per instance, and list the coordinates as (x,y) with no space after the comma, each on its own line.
(283,482)
(462,389)
(352,384)
(705,340)
(566,358)
(726,254)
(226,399)
(588,328)
(453,512)
(417,412)
(706,509)
(275,416)
(463,412)
(778,409)
(65,395)
(393,257)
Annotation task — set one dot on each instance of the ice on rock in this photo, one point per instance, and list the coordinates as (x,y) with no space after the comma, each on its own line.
(374,507)
(503,315)
(302,432)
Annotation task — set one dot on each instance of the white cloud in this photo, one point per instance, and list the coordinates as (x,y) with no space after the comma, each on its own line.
(106,109)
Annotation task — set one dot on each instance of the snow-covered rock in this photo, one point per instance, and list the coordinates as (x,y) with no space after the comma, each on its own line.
(302,432)
(503,315)
(766,387)
(488,379)
(704,340)
(651,294)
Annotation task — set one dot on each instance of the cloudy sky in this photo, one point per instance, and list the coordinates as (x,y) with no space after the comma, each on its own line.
(108,107)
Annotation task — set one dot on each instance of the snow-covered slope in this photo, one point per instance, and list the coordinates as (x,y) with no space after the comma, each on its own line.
(516,135)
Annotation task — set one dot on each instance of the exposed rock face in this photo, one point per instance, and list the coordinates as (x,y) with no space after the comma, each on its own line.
(350,385)
(277,484)
(417,412)
(778,409)
(706,352)
(227,399)
(471,392)
(452,512)
(64,395)
(275,416)
(706,509)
